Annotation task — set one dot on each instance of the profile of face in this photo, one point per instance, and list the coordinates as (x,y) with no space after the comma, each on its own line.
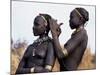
(74,20)
(39,26)
(78,17)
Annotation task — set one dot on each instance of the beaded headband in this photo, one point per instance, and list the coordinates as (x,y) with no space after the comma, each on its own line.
(78,13)
(44,20)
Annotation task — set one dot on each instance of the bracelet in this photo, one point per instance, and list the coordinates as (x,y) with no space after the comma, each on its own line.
(48,67)
(65,52)
(32,70)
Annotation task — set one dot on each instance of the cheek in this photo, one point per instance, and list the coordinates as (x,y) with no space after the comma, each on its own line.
(39,30)
(34,30)
(75,21)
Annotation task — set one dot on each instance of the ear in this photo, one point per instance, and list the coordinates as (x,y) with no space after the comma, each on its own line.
(82,20)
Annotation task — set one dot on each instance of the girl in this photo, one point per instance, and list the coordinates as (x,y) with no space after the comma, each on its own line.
(39,56)
(71,56)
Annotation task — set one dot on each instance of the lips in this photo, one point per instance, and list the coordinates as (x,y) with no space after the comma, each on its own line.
(38,31)
(35,32)
(71,25)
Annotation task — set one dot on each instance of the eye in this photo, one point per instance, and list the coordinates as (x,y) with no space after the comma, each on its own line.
(71,16)
(36,24)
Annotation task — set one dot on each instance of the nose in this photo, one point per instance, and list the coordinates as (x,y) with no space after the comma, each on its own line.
(69,20)
(35,29)
(32,27)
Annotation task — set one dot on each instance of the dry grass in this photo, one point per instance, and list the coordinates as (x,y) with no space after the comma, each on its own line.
(15,59)
(88,61)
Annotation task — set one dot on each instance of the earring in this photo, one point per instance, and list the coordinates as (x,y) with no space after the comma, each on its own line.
(45,23)
(45,32)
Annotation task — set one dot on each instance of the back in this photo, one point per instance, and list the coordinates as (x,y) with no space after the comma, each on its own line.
(76,47)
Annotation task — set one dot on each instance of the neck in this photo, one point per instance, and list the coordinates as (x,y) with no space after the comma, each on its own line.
(79,28)
(43,35)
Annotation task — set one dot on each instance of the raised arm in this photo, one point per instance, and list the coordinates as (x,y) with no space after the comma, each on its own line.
(55,30)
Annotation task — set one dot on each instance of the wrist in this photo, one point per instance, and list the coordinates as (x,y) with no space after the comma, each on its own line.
(56,38)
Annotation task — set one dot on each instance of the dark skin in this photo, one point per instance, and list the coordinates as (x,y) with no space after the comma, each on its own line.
(75,22)
(39,27)
(33,63)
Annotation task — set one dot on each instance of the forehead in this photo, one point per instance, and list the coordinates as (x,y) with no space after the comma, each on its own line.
(39,20)
(73,13)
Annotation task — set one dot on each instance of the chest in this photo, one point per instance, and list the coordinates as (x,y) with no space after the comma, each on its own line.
(40,50)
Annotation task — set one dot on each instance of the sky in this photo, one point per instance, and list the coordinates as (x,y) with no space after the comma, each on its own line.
(23,14)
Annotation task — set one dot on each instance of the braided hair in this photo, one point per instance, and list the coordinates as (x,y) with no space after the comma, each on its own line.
(47,17)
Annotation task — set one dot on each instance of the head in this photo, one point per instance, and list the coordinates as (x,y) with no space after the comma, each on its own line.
(41,25)
(78,17)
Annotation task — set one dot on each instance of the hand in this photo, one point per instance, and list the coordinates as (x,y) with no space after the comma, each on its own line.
(55,28)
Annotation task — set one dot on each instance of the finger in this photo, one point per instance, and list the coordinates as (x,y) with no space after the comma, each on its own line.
(60,24)
(51,23)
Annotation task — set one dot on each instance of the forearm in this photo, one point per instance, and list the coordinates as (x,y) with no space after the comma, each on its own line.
(37,69)
(23,71)
(40,69)
(58,49)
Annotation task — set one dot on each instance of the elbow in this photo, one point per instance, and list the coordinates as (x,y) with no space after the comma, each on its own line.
(60,55)
(17,72)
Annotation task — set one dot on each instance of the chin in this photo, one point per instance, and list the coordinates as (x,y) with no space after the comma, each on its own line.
(35,34)
(71,27)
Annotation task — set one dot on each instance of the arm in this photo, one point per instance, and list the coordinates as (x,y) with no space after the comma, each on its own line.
(21,67)
(70,46)
(55,30)
(49,60)
(23,70)
(73,42)
(60,53)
